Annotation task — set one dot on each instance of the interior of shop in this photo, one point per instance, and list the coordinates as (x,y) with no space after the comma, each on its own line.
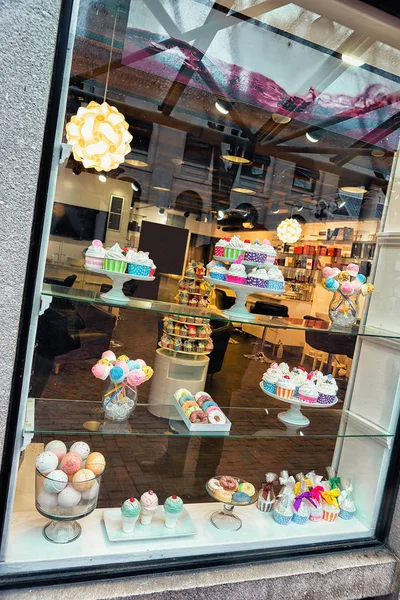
(226,143)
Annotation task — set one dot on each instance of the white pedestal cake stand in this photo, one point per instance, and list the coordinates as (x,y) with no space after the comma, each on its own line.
(239,309)
(294,416)
(116,295)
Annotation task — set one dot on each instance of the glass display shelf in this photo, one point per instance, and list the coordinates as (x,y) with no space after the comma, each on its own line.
(78,417)
(92,296)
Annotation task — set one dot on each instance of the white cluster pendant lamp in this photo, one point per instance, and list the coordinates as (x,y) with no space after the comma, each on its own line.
(98,133)
(289,231)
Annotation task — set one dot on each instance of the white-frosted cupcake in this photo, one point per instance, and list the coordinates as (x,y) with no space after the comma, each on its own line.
(308,392)
(236,274)
(94,256)
(276,281)
(139,263)
(271,378)
(258,278)
(284,368)
(115,260)
(218,271)
(234,248)
(220,246)
(327,389)
(285,387)
(270,253)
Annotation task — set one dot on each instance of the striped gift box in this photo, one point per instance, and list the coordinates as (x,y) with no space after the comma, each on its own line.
(117,266)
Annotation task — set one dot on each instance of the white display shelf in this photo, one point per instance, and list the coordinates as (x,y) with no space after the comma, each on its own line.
(184,351)
(27,549)
(189,323)
(246,263)
(294,416)
(116,294)
(239,309)
(187,337)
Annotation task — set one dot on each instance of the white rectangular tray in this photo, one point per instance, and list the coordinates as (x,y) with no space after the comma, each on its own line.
(113,524)
(201,426)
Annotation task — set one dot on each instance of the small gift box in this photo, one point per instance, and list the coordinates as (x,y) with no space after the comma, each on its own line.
(283,509)
(316,491)
(333,480)
(266,495)
(346,502)
(330,506)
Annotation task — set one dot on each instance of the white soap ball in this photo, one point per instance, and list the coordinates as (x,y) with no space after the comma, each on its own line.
(55,481)
(92,493)
(46,462)
(57,447)
(69,497)
(46,500)
(81,448)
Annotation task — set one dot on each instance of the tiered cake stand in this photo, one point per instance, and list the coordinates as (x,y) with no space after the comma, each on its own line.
(239,309)
(116,295)
(177,335)
(191,295)
(294,416)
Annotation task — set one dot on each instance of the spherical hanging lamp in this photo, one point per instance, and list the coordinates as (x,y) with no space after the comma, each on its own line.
(289,231)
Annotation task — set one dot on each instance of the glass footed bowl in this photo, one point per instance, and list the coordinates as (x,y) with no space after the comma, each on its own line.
(225,519)
(64,503)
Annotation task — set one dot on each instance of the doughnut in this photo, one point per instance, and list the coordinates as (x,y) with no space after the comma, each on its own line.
(181,392)
(188,404)
(200,395)
(207,404)
(215,416)
(214,484)
(191,410)
(186,398)
(223,495)
(202,400)
(247,488)
(241,498)
(198,416)
(228,483)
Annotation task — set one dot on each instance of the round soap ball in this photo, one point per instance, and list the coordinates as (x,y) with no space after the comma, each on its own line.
(46,500)
(83,480)
(71,463)
(92,493)
(117,374)
(69,497)
(46,462)
(96,463)
(81,448)
(55,481)
(57,447)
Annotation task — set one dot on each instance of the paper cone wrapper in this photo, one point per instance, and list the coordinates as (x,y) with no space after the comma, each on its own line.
(128,523)
(146,516)
(171,519)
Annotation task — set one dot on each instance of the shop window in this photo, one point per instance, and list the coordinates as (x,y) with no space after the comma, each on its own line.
(116,208)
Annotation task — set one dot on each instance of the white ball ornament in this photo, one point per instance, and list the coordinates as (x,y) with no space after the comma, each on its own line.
(69,497)
(81,448)
(92,493)
(46,462)
(46,500)
(289,231)
(55,481)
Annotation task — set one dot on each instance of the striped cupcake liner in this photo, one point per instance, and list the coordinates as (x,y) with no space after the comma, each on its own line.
(93,261)
(296,391)
(219,251)
(329,516)
(270,260)
(265,506)
(284,393)
(220,276)
(260,283)
(117,266)
(316,517)
(308,399)
(233,253)
(269,387)
(281,519)
(299,520)
(235,279)
(346,514)
(139,270)
(325,399)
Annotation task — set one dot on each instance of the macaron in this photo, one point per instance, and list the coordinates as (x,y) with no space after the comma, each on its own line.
(208,404)
(241,498)
(247,488)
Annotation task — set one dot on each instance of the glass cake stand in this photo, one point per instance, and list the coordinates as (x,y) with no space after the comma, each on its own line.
(294,416)
(116,294)
(226,519)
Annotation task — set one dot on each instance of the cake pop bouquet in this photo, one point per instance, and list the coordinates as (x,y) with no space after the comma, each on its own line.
(346,285)
(125,375)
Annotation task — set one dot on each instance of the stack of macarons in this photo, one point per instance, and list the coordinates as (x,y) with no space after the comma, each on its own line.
(231,490)
(200,408)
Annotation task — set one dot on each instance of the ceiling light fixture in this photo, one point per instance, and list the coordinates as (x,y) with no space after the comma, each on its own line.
(220,214)
(223,106)
(289,231)
(352,60)
(314,134)
(236,159)
(242,190)
(299,208)
(135,186)
(102,178)
(341,204)
(275,208)
(280,119)
(353,189)
(248,225)
(378,152)
(161,211)
(136,163)
(160,188)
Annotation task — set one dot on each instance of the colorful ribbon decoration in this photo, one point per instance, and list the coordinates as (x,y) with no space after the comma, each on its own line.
(300,497)
(316,492)
(297,487)
(268,488)
(331,497)
(334,482)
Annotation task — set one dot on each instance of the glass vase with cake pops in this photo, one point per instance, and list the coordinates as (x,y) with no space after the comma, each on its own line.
(67,486)
(232,491)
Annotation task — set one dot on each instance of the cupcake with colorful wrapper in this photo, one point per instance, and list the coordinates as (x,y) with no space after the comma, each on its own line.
(266,496)
(270,253)
(346,502)
(236,273)
(220,246)
(276,280)
(283,509)
(334,482)
(316,491)
(285,387)
(271,378)
(256,252)
(130,513)
(301,510)
(284,367)
(139,263)
(258,278)
(115,260)
(94,256)
(173,507)
(298,376)
(330,505)
(327,389)
(234,248)
(308,392)
(218,271)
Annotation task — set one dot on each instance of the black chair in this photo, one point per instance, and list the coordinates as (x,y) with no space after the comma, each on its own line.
(129,288)
(272,310)
(220,335)
(331,343)
(222,300)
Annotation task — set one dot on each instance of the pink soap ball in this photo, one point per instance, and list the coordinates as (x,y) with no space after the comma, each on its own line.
(123,365)
(335,271)
(109,355)
(136,377)
(347,288)
(328,272)
(140,362)
(57,447)
(353,269)
(71,463)
(356,285)
(101,371)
